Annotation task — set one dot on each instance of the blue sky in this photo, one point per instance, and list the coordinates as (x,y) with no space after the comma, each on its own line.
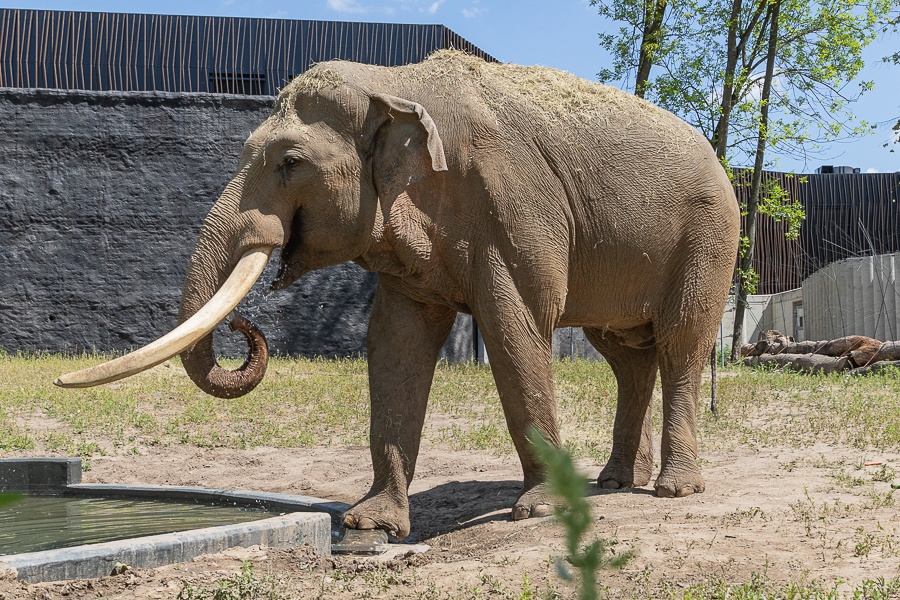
(556,33)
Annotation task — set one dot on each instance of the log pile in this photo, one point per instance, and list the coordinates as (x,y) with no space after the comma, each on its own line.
(857,354)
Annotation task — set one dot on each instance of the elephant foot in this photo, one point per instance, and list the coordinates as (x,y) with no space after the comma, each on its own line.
(677,484)
(379,511)
(616,475)
(536,502)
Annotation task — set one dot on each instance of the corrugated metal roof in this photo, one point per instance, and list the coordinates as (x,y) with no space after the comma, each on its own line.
(139,52)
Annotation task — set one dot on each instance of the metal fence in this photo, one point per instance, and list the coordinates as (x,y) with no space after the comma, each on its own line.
(847,215)
(137,52)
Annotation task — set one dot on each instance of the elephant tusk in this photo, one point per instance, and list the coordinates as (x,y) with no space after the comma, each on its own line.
(242,278)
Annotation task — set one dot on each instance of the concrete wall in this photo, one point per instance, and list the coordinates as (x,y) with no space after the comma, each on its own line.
(101,198)
(765,312)
(781,314)
(856,296)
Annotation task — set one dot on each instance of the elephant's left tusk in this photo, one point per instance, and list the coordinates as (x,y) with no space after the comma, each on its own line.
(242,278)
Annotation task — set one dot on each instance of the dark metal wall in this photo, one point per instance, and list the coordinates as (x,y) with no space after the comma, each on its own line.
(135,52)
(847,215)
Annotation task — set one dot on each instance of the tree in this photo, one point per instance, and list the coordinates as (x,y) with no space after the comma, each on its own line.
(642,35)
(892,24)
(754,75)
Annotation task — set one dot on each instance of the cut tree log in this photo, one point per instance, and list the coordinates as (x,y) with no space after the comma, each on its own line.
(805,363)
(875,367)
(845,345)
(888,351)
(826,356)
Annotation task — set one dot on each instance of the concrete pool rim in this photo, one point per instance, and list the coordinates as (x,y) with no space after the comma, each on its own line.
(306,520)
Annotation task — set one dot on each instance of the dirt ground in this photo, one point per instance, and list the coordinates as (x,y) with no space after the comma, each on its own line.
(792,515)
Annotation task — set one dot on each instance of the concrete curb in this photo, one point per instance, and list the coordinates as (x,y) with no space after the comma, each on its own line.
(39,476)
(98,560)
(308,522)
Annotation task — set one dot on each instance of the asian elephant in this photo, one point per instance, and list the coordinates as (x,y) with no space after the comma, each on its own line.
(525,196)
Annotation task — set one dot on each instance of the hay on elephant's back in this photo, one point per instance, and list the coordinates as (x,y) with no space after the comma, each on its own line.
(545,93)
(556,93)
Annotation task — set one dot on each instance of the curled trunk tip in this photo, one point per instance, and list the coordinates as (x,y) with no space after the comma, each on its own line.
(202,367)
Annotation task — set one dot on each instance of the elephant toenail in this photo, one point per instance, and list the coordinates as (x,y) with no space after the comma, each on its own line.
(664,492)
(610,484)
(541,510)
(365,523)
(685,491)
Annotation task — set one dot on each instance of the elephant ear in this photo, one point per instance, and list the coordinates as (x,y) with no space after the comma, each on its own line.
(406,145)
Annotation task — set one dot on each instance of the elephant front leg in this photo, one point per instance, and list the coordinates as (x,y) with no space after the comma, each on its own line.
(405,338)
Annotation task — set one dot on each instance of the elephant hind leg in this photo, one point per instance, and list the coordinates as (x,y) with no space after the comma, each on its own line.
(681,368)
(631,461)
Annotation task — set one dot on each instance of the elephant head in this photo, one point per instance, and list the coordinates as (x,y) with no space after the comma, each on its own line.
(313,179)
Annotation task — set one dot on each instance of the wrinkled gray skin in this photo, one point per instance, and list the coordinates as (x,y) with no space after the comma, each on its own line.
(526,197)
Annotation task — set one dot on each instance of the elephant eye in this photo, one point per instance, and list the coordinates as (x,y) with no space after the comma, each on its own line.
(290,161)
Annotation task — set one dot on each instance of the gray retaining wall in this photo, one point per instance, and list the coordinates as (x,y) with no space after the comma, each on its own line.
(101,198)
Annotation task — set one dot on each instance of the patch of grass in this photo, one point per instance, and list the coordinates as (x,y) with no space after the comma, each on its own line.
(325,402)
(761,588)
(772,408)
(12,437)
(244,586)
(881,542)
(301,403)
(885,474)
(848,480)
(880,500)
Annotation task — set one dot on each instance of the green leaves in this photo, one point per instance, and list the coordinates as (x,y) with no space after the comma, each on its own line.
(713,81)
(574,513)
(776,203)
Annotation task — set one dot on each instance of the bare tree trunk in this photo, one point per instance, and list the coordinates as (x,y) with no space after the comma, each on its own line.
(654,13)
(746,260)
(720,135)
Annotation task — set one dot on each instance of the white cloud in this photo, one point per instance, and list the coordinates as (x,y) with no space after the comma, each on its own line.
(872,170)
(472,12)
(347,6)
(434,7)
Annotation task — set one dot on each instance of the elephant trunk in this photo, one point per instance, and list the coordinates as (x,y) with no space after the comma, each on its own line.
(209,266)
(233,249)
(203,369)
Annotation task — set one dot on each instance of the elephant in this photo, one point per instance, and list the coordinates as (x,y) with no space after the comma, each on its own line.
(524,196)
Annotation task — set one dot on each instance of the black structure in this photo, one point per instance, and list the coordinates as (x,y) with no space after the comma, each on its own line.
(137,52)
(106,176)
(847,214)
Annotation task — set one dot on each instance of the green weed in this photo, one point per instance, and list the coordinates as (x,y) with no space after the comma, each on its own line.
(574,513)
(760,588)
(244,586)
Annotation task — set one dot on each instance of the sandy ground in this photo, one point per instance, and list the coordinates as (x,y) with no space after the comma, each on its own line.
(780,512)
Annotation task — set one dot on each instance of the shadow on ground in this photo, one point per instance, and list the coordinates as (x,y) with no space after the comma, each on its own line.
(459,505)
